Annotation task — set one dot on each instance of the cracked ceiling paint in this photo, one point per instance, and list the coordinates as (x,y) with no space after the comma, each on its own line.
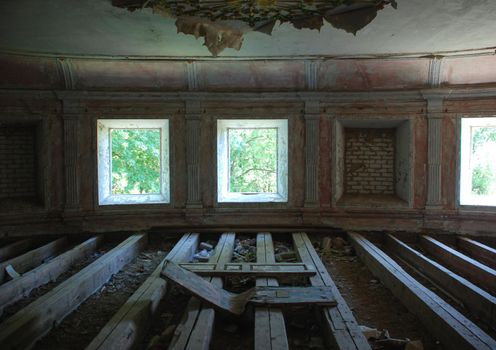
(96,28)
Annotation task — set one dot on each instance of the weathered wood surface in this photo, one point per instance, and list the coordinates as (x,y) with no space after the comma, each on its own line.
(23,329)
(453,329)
(479,251)
(14,249)
(251,269)
(270,329)
(340,326)
(14,290)
(128,326)
(478,301)
(478,273)
(196,327)
(33,258)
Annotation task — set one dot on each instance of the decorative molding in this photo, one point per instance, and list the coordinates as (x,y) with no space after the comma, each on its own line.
(434,79)
(64,66)
(434,152)
(312,133)
(193,134)
(311,76)
(72,112)
(192,74)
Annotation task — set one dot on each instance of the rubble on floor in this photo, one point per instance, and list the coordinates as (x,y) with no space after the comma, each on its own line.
(245,250)
(382,340)
(204,252)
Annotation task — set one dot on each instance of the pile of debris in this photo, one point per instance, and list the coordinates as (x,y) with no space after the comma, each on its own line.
(333,246)
(284,252)
(204,252)
(245,250)
(382,340)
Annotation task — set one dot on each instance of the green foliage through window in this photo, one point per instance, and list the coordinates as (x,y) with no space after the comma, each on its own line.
(483,160)
(253,160)
(135,161)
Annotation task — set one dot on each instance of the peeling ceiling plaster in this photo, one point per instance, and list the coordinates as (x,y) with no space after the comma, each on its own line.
(96,28)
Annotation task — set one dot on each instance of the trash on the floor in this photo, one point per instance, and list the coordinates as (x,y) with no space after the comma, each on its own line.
(382,340)
(11,272)
(245,250)
(370,333)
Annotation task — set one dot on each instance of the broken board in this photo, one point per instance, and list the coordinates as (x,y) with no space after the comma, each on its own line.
(236,303)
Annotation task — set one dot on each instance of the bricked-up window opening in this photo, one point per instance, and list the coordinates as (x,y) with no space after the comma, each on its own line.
(133,161)
(18,164)
(369,161)
(478,162)
(252,160)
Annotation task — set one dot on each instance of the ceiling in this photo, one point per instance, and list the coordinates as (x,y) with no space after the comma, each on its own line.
(96,28)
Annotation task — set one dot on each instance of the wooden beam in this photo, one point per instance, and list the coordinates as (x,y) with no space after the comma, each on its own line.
(22,330)
(127,327)
(478,301)
(196,327)
(453,329)
(270,329)
(33,258)
(12,250)
(14,290)
(339,323)
(480,274)
(480,251)
(250,269)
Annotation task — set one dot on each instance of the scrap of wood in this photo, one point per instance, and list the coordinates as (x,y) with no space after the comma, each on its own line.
(453,329)
(236,303)
(251,269)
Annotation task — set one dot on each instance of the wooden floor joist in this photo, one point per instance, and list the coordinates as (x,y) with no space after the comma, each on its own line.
(14,290)
(270,330)
(14,249)
(480,274)
(453,329)
(22,330)
(127,327)
(339,323)
(196,327)
(479,251)
(33,258)
(478,301)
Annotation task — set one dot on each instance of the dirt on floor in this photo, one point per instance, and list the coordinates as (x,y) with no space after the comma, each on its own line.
(42,290)
(79,328)
(373,305)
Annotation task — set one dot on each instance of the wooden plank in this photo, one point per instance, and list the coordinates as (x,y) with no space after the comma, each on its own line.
(474,298)
(127,327)
(479,251)
(270,328)
(480,274)
(448,325)
(341,328)
(250,269)
(33,258)
(14,290)
(14,249)
(196,327)
(22,330)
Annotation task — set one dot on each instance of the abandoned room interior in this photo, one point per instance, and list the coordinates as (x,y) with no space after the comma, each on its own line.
(247,174)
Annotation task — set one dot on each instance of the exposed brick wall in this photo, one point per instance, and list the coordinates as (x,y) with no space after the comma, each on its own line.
(369,161)
(17,162)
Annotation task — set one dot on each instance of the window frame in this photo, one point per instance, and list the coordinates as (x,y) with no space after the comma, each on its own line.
(465,197)
(104,162)
(223,176)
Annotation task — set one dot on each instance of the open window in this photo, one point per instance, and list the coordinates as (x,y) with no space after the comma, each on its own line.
(478,162)
(133,161)
(252,160)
